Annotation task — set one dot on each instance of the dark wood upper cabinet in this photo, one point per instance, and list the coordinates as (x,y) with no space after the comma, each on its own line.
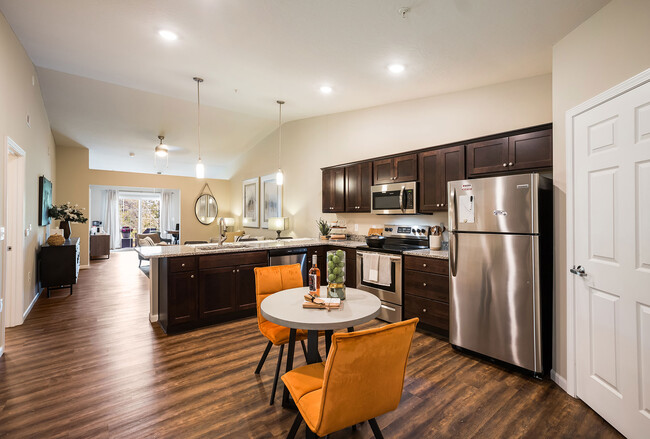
(333,190)
(515,153)
(487,157)
(531,150)
(437,167)
(358,181)
(396,170)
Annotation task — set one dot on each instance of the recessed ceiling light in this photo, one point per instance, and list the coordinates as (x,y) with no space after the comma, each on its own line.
(396,68)
(325,89)
(168,35)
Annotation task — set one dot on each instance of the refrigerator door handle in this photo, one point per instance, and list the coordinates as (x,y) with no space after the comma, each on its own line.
(453,253)
(452,210)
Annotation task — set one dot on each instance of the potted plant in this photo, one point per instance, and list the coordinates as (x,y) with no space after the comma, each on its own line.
(67,213)
(126,232)
(323,228)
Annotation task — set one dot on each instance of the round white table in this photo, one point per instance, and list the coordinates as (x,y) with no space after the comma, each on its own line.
(284,308)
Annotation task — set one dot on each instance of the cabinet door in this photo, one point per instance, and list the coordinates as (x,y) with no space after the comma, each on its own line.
(327,191)
(352,188)
(182,297)
(487,157)
(451,167)
(405,168)
(531,150)
(246,286)
(338,188)
(383,171)
(429,181)
(365,186)
(217,291)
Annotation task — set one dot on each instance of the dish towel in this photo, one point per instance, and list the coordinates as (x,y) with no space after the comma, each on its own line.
(370,267)
(385,277)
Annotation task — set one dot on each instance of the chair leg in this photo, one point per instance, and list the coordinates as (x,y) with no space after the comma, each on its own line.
(304,348)
(277,374)
(375,428)
(309,434)
(263,359)
(295,426)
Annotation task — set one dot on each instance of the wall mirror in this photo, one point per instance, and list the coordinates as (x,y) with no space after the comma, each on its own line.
(206,209)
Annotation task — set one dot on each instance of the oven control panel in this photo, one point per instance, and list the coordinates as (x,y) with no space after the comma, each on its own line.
(405,231)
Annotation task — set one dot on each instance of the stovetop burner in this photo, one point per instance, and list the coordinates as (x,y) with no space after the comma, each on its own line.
(400,238)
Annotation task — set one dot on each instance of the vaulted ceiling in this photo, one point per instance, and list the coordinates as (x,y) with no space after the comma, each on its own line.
(112,84)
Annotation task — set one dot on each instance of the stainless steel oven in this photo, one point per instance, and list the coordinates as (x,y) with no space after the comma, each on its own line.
(394,198)
(391,295)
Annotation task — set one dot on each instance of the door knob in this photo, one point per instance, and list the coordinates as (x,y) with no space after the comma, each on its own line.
(579,270)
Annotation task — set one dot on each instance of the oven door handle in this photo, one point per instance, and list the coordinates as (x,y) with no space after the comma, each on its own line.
(388,308)
(392,258)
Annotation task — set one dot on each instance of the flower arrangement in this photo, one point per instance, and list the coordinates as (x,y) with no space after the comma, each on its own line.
(67,212)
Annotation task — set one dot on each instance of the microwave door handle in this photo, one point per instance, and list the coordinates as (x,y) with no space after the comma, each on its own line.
(401,199)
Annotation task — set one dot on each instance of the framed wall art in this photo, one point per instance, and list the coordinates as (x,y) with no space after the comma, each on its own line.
(271,194)
(251,202)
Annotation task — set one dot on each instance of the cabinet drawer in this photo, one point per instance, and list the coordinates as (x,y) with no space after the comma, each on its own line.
(430,312)
(429,265)
(231,259)
(427,285)
(187,263)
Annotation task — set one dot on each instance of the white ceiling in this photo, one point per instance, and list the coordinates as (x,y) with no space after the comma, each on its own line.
(253,52)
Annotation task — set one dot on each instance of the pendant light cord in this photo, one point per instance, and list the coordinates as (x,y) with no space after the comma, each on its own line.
(198,114)
(280,133)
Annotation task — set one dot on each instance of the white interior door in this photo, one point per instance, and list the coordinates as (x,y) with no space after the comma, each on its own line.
(612,243)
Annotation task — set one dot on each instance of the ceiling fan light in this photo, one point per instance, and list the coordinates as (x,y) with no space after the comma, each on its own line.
(161,151)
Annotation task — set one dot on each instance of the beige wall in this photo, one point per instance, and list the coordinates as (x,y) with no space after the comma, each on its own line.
(309,144)
(18,98)
(605,50)
(74,178)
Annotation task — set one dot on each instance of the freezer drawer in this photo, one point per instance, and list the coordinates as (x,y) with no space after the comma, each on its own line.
(494,297)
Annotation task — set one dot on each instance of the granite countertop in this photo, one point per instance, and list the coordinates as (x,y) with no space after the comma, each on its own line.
(171,251)
(434,254)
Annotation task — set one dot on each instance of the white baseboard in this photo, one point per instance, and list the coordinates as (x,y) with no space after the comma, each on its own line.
(559,380)
(31,305)
(153,317)
(2,350)
(84,267)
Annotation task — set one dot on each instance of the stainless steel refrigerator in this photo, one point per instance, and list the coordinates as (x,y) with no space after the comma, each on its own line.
(500,261)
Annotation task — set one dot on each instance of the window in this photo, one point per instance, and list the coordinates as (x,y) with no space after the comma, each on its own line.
(139,213)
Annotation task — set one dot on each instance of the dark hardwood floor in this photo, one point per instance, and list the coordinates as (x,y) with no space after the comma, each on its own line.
(91,365)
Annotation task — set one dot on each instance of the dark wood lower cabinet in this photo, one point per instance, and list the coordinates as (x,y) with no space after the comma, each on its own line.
(196,291)
(59,265)
(426,292)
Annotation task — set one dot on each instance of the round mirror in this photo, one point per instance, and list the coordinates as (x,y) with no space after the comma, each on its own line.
(206,209)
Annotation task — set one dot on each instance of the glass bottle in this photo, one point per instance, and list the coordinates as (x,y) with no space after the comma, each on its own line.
(314,278)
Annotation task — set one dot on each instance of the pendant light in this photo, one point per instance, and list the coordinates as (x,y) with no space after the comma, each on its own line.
(279,177)
(200,168)
(161,153)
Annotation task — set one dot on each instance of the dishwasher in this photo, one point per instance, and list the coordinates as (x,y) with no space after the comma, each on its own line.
(288,256)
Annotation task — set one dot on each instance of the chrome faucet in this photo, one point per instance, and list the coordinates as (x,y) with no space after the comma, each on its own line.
(222,231)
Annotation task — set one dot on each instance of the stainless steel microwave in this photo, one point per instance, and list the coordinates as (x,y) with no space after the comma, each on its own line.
(395,198)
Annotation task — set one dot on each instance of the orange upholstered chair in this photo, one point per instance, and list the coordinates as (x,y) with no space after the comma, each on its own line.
(269,280)
(362,378)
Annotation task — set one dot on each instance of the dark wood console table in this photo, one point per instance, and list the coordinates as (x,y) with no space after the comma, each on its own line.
(59,265)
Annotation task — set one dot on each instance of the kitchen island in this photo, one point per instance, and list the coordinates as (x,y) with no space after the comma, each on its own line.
(198,285)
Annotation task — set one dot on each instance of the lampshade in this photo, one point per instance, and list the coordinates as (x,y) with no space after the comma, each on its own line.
(278,224)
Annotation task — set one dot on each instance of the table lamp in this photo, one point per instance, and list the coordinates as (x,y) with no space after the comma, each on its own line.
(278,224)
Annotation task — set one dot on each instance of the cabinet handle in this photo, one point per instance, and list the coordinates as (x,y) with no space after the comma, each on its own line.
(233,271)
(424,265)
(505,164)
(237,271)
(424,310)
(192,276)
(510,164)
(182,265)
(424,284)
